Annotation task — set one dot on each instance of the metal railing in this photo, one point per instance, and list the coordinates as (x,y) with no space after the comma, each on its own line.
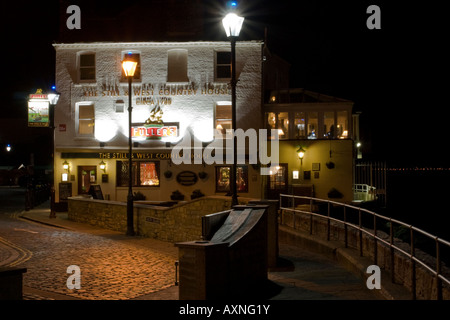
(307,204)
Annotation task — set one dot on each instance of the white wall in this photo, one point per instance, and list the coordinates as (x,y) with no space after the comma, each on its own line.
(193,111)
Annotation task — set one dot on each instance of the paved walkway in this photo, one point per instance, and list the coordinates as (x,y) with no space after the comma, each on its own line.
(114,266)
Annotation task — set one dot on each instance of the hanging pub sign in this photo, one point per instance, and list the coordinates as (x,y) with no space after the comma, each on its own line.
(38,110)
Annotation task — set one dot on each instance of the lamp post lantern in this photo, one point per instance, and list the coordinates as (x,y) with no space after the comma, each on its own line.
(232,24)
(129,68)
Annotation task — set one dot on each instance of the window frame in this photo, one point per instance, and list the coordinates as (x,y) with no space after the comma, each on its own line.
(79,67)
(136,173)
(318,121)
(225,135)
(175,65)
(77,119)
(216,65)
(226,189)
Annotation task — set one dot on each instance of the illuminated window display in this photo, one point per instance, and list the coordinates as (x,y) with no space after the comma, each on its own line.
(223,178)
(145,174)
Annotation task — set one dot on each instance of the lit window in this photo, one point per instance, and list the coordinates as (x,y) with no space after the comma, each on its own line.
(299,125)
(223,66)
(85,119)
(144,174)
(86,65)
(313,124)
(283,125)
(223,179)
(147,174)
(177,65)
(329,128)
(278,121)
(222,120)
(342,125)
(271,118)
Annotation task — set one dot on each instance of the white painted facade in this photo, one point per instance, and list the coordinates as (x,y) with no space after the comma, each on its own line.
(189,105)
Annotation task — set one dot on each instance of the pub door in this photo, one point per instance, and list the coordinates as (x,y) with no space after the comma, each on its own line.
(87,175)
(278,182)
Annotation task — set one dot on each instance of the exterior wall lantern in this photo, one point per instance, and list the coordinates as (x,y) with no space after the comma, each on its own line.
(301,154)
(66,166)
(103,166)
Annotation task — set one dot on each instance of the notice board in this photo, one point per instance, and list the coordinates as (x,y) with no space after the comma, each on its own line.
(65,190)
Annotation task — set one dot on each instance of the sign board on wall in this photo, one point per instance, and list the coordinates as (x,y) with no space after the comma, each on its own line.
(154,131)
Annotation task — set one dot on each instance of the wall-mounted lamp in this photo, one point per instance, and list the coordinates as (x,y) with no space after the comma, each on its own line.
(301,154)
(66,165)
(103,166)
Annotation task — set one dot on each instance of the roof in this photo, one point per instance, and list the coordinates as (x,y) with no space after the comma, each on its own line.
(143,44)
(300,95)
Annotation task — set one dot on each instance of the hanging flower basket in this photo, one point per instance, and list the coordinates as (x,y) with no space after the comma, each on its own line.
(177,195)
(168,174)
(202,175)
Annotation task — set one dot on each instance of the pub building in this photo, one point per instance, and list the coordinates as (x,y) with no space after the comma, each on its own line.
(318,144)
(180,90)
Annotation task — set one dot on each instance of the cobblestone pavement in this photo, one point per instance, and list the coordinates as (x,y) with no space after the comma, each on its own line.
(116,267)
(112,265)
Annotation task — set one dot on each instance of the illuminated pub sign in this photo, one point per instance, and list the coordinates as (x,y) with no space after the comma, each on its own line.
(38,110)
(154,131)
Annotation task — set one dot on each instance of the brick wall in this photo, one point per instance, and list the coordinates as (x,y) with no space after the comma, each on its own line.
(181,222)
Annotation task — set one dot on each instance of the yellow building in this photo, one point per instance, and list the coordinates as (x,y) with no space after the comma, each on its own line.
(317,147)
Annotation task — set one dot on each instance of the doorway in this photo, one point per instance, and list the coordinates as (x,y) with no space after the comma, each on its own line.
(87,175)
(278,182)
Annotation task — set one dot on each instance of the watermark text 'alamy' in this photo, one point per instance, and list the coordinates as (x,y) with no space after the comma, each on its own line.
(221,149)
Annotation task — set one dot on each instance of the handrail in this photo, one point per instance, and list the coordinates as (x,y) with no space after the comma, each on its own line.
(373,233)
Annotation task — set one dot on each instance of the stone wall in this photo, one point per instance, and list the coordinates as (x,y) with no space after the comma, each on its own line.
(425,280)
(178,223)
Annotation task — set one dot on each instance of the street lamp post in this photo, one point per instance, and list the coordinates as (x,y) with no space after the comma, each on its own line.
(232,24)
(53,100)
(129,67)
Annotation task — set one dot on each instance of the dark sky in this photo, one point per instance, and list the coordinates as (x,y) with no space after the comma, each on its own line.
(396,76)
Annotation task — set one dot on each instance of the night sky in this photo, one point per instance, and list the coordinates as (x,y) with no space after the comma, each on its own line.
(396,76)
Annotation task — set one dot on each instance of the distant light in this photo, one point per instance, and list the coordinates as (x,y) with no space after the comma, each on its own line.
(53,87)
(8,147)
(358,144)
(232,4)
